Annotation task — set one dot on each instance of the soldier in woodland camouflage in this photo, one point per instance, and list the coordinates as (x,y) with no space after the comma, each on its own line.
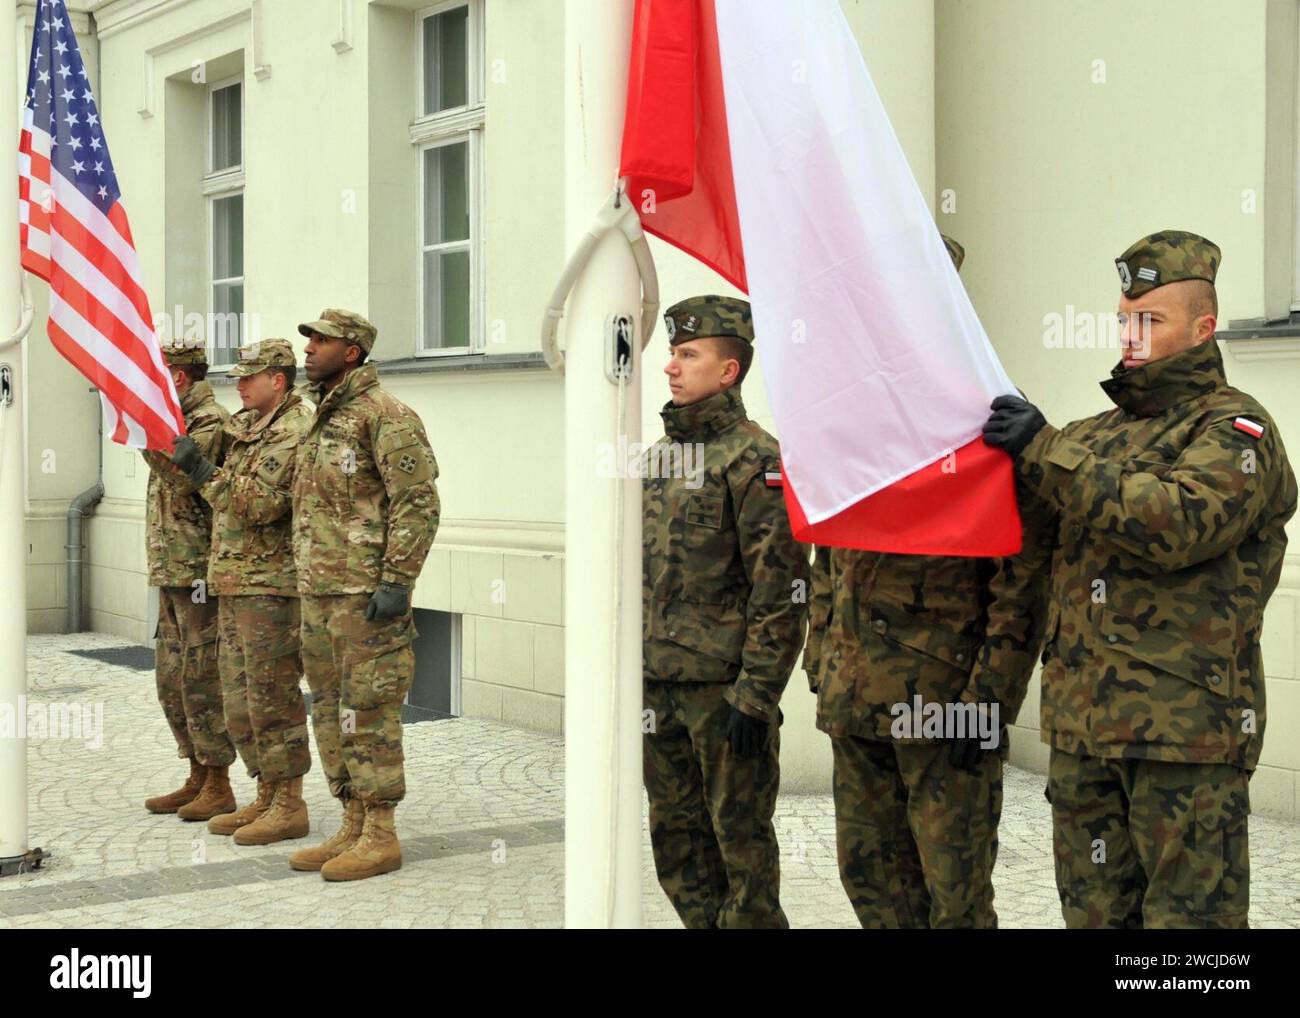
(365,511)
(723,599)
(916,819)
(1171,511)
(251,568)
(178,524)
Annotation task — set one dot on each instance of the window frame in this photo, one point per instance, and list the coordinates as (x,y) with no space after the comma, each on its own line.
(218,185)
(448,127)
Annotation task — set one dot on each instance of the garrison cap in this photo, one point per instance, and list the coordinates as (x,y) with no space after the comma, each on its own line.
(265,353)
(1169,256)
(709,315)
(342,324)
(182,352)
(955,251)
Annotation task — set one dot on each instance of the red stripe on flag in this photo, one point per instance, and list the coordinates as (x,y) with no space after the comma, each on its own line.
(159,430)
(930,511)
(675,141)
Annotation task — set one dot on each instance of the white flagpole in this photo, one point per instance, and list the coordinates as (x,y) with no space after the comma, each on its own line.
(13,545)
(602,585)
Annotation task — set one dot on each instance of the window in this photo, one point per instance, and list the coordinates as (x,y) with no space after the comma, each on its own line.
(223,185)
(448,140)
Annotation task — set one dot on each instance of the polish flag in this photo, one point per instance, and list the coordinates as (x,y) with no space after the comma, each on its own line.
(755,141)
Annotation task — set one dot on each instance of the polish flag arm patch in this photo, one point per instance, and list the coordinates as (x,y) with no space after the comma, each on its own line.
(772,479)
(1251,428)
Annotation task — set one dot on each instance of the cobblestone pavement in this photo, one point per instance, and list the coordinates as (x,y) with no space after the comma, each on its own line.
(482,832)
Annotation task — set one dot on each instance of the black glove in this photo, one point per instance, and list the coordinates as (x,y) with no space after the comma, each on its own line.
(966,754)
(748,735)
(388,602)
(1013,424)
(192,462)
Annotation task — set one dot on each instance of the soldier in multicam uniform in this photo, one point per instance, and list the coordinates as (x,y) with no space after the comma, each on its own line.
(724,588)
(1171,510)
(916,819)
(365,511)
(251,569)
(179,527)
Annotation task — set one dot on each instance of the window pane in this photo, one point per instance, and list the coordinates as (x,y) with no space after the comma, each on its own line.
(228,237)
(227,130)
(446,60)
(446,299)
(446,193)
(227,309)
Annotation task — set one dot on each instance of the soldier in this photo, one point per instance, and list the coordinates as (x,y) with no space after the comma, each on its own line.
(365,511)
(251,569)
(1171,510)
(179,534)
(916,819)
(724,587)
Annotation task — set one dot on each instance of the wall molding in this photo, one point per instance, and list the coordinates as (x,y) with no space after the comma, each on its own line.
(342,42)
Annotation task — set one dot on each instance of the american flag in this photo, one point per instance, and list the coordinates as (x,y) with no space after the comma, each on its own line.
(73,233)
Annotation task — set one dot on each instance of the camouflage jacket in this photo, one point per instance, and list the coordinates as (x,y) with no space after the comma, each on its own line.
(365,505)
(251,496)
(1171,542)
(885,628)
(178,522)
(724,583)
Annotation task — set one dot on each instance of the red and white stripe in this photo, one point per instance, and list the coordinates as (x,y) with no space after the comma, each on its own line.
(768,155)
(99,314)
(1251,428)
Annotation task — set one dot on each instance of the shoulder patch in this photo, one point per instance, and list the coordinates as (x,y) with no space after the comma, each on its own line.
(773,479)
(1252,428)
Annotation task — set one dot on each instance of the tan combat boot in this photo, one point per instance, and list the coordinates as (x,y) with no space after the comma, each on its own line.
(287,817)
(214,798)
(376,851)
(173,801)
(228,823)
(314,858)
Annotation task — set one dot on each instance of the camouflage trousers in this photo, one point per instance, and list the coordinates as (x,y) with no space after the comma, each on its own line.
(711,830)
(916,837)
(359,673)
(1145,843)
(257,655)
(185,671)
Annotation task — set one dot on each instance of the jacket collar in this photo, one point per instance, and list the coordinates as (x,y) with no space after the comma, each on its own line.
(246,425)
(710,416)
(353,385)
(1158,385)
(195,396)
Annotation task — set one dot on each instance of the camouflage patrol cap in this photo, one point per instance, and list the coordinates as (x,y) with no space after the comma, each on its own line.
(180,353)
(1169,256)
(709,315)
(263,354)
(955,251)
(342,324)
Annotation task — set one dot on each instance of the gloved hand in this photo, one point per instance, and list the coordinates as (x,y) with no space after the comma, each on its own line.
(748,735)
(967,754)
(192,462)
(1013,424)
(388,602)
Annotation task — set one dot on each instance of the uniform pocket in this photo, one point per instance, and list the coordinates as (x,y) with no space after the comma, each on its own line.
(1220,852)
(1164,651)
(901,630)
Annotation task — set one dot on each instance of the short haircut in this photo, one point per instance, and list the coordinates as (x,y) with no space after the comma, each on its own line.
(1202,299)
(289,371)
(738,350)
(195,372)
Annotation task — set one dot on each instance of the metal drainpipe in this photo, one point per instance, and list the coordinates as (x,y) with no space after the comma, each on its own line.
(82,506)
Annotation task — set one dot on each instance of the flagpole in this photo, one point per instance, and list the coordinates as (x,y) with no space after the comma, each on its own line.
(602,570)
(13,559)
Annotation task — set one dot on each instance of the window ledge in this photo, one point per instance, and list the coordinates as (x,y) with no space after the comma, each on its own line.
(462,362)
(1257,340)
